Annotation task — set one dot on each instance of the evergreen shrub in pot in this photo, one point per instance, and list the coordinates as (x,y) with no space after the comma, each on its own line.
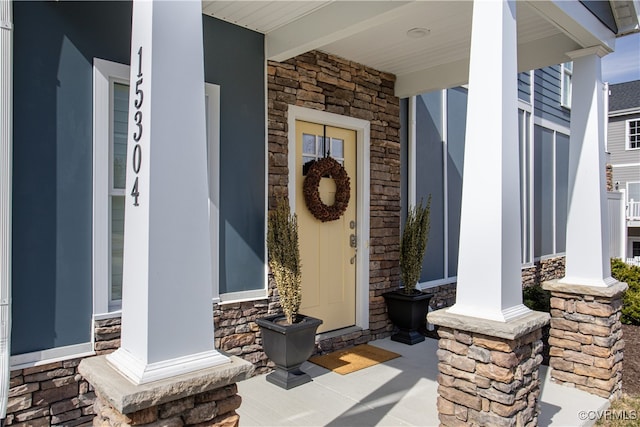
(408,307)
(288,339)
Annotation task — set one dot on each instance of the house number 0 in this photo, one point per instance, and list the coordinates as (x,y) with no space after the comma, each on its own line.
(137,131)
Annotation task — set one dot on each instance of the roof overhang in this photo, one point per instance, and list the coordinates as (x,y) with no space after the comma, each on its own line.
(376,34)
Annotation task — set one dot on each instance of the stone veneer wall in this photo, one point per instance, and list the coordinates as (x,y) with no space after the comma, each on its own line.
(586,345)
(547,269)
(51,394)
(485,380)
(214,408)
(55,393)
(325,82)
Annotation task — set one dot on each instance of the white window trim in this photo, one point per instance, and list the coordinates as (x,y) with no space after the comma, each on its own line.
(213,152)
(105,73)
(627,135)
(566,103)
(51,355)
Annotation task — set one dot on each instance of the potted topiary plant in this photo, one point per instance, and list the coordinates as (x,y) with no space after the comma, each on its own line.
(288,339)
(408,307)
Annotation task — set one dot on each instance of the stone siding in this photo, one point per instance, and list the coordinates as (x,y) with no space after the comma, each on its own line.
(214,408)
(547,269)
(485,380)
(586,345)
(51,394)
(329,83)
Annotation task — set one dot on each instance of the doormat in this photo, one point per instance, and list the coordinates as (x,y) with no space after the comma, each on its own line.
(353,359)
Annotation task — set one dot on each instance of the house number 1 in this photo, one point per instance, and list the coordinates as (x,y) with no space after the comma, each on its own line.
(137,132)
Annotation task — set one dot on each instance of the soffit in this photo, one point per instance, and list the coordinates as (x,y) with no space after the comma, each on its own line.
(374,33)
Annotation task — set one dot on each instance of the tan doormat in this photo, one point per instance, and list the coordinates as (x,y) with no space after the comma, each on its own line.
(353,359)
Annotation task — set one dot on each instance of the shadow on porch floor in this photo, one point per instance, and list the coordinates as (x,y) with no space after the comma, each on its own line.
(400,392)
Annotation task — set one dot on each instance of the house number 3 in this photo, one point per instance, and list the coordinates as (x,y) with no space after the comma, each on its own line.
(137,131)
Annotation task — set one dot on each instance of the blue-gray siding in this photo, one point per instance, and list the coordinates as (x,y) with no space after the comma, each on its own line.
(547,96)
(524,86)
(54,47)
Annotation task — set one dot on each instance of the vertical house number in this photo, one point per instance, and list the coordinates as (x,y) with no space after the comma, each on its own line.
(137,131)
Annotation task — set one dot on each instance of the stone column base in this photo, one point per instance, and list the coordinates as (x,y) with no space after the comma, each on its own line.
(586,337)
(204,398)
(489,371)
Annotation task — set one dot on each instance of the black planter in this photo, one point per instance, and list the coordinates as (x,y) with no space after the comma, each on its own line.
(288,346)
(408,313)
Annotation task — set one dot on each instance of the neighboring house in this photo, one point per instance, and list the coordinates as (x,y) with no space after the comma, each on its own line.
(623,144)
(544,133)
(285,82)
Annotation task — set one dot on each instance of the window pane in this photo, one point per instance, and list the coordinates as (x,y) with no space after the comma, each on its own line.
(456,124)
(543,191)
(117,246)
(321,146)
(430,178)
(337,148)
(120,113)
(562,190)
(308,144)
(634,134)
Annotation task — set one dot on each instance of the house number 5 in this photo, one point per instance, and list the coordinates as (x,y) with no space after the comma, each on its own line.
(136,160)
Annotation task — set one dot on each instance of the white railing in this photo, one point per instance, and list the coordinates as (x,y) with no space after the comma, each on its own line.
(633,212)
(634,261)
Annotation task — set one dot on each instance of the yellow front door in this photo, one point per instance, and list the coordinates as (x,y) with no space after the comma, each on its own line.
(327,249)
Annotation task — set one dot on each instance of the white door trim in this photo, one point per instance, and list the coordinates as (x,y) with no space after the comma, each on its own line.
(362,128)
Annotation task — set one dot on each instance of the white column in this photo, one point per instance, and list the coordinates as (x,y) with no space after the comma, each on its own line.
(587,248)
(167,316)
(6,170)
(489,277)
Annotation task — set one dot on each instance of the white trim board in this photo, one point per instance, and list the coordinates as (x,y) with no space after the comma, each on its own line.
(363,131)
(56,354)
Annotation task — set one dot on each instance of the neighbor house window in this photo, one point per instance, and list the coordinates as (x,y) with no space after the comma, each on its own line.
(633,134)
(566,75)
(111,110)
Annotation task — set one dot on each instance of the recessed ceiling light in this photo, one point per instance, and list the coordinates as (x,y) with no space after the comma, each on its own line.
(418,33)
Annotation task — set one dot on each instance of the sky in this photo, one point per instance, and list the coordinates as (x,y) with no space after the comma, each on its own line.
(623,65)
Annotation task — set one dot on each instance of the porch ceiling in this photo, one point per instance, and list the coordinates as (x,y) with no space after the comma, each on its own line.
(374,33)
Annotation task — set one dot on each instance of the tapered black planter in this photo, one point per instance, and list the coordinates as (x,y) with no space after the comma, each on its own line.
(408,313)
(288,346)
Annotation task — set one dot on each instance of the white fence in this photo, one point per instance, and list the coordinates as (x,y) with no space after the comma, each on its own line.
(617,224)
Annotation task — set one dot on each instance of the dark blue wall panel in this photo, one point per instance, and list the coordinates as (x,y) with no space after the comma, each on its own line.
(54,47)
(234,59)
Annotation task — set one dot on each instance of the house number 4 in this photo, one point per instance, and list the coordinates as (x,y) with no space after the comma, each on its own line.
(137,130)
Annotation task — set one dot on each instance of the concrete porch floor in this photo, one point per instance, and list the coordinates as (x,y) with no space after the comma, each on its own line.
(400,392)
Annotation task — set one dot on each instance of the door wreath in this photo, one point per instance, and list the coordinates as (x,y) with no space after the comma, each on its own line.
(323,167)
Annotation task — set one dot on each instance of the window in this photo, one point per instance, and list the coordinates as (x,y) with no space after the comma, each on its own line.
(566,72)
(111,109)
(315,147)
(633,134)
(550,190)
